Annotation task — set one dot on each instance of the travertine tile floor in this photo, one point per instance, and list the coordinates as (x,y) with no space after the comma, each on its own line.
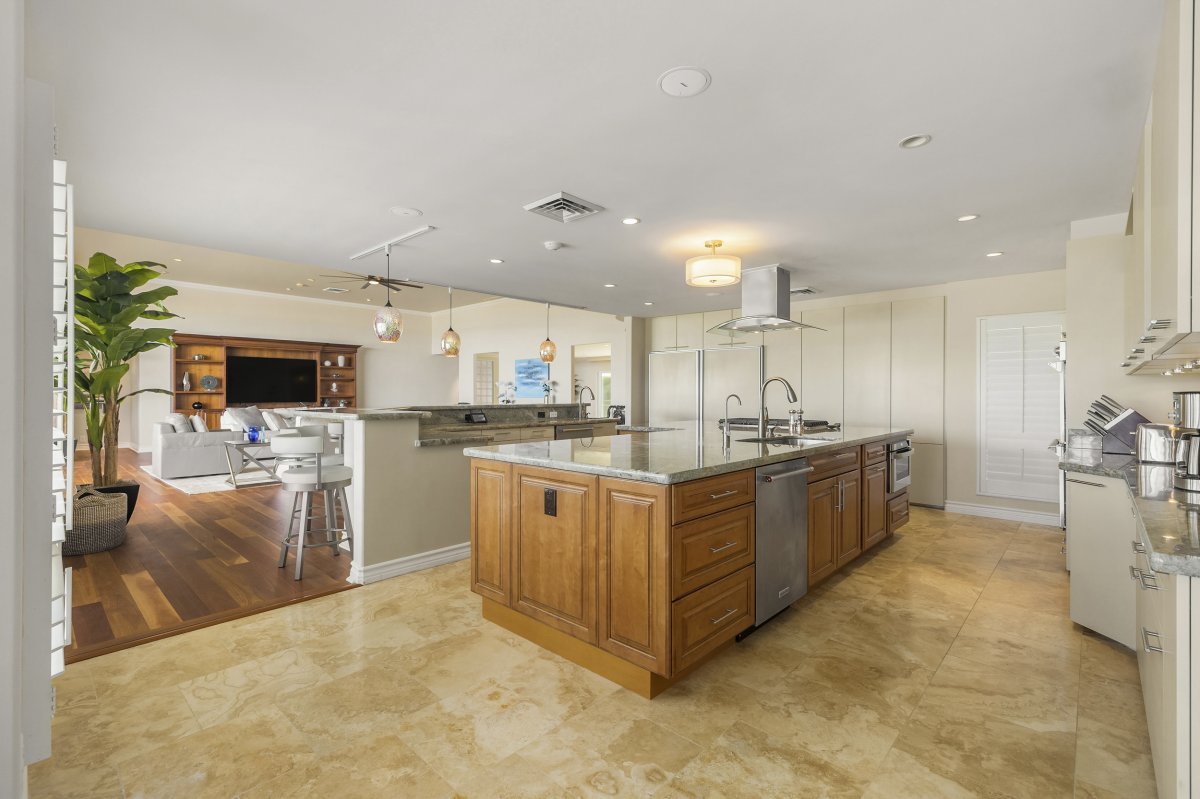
(943,665)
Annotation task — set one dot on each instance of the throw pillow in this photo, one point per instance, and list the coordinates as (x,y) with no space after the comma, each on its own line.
(247,417)
(274,421)
(180,422)
(198,424)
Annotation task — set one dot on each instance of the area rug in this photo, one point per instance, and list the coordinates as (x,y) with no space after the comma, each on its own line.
(210,483)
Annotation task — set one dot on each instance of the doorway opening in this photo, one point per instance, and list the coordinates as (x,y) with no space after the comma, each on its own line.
(591,367)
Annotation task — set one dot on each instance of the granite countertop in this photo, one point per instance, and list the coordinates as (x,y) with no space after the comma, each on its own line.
(1169,518)
(435,429)
(363,414)
(673,456)
(642,428)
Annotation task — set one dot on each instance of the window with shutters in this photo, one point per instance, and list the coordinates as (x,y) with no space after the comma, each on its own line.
(487,366)
(1020,397)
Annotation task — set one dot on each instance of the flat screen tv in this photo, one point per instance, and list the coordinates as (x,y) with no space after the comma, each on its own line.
(251,380)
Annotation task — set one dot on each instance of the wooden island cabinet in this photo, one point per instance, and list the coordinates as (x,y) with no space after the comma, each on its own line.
(643,581)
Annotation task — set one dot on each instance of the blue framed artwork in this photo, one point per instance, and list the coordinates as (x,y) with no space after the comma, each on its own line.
(532,373)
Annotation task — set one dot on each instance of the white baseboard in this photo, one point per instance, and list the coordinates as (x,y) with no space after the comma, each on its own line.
(1011,514)
(409,563)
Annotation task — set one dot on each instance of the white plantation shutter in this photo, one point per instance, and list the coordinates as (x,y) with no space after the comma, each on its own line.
(1019,401)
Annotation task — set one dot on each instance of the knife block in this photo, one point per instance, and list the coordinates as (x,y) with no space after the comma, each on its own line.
(1120,435)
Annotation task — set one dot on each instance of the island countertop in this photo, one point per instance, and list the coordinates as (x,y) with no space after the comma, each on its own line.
(1170,517)
(675,456)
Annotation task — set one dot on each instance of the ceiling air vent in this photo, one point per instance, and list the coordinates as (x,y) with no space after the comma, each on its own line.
(563,207)
(335,289)
(803,290)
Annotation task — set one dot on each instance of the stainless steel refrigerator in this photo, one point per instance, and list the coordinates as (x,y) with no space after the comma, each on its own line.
(690,386)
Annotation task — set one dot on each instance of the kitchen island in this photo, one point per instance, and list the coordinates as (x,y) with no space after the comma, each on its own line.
(634,555)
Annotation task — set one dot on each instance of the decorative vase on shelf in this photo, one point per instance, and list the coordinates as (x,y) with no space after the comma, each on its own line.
(333,388)
(187,381)
(341,359)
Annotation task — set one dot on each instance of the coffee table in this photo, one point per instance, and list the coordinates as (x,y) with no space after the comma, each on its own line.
(244,454)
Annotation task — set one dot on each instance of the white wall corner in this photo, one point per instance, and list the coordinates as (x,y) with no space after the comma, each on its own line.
(409,563)
(1011,514)
(1113,224)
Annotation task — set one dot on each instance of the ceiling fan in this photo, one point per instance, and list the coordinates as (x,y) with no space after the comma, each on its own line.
(372,280)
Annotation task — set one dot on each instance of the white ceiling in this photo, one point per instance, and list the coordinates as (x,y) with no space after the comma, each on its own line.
(190,264)
(288,129)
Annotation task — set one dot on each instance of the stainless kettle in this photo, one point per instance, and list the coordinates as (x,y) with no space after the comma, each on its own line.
(1187,455)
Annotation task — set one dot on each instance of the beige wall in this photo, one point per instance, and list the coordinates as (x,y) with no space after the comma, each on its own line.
(1096,336)
(515,328)
(966,302)
(404,373)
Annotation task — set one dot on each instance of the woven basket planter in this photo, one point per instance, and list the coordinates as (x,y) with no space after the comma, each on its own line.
(99,522)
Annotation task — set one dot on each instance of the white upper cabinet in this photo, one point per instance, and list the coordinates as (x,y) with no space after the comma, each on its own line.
(821,365)
(689,331)
(784,357)
(662,333)
(867,361)
(918,368)
(711,320)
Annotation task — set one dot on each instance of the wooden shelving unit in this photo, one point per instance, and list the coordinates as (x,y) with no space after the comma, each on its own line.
(214,350)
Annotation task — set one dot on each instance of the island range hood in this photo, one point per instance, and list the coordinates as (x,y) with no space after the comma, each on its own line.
(767,301)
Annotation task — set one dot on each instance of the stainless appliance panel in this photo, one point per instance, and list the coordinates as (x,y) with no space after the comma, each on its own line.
(899,466)
(674,387)
(574,431)
(781,536)
(1155,443)
(1185,408)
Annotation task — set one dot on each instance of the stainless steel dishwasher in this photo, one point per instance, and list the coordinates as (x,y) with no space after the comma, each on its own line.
(780,536)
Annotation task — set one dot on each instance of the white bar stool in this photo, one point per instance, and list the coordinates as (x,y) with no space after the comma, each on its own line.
(305,476)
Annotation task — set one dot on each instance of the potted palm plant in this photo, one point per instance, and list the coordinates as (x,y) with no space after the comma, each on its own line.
(106,309)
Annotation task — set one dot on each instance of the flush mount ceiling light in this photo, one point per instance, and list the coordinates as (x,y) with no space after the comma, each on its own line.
(684,81)
(610,285)
(548,349)
(389,324)
(968,217)
(713,269)
(913,142)
(630,220)
(647,303)
(403,210)
(497,260)
(451,341)
(996,254)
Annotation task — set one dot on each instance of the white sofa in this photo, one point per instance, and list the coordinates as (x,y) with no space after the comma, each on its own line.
(175,455)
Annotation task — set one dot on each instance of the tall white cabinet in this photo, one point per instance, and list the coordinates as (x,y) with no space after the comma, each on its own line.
(821,365)
(867,363)
(918,390)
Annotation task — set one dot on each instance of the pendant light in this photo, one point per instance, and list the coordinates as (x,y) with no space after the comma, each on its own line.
(713,269)
(548,349)
(389,324)
(451,341)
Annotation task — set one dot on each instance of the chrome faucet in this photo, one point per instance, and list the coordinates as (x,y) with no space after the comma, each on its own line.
(725,430)
(583,414)
(764,415)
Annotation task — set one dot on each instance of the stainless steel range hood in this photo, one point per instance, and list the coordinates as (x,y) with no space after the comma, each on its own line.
(767,301)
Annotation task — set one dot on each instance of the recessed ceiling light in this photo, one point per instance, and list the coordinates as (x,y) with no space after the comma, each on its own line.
(913,142)
(402,210)
(996,254)
(630,220)
(497,260)
(287,288)
(647,303)
(177,260)
(301,285)
(310,280)
(610,285)
(968,217)
(684,81)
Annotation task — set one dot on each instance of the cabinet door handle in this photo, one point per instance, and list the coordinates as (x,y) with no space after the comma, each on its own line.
(729,544)
(1083,482)
(723,494)
(1138,548)
(1134,573)
(1146,640)
(1152,585)
(730,611)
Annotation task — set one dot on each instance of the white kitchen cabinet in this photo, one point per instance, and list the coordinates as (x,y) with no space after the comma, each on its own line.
(918,368)
(784,356)
(1100,528)
(662,333)
(689,331)
(928,485)
(711,320)
(867,364)
(821,365)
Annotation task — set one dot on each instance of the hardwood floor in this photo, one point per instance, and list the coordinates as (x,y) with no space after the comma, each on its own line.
(189,561)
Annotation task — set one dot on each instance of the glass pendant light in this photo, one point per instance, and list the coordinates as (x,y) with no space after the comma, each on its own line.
(713,269)
(451,342)
(389,324)
(548,349)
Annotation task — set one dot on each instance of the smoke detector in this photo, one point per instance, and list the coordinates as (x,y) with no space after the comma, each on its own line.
(553,245)
(563,207)
(684,81)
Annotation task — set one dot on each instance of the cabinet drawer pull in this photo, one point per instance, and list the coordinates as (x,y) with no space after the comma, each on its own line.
(1083,482)
(1146,640)
(730,611)
(1152,585)
(723,494)
(1134,573)
(723,547)
(1138,548)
